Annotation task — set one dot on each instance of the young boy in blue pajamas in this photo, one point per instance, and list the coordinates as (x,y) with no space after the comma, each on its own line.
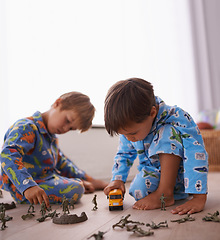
(33,168)
(168,143)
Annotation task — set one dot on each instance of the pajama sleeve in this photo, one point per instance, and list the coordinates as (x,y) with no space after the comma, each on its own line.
(165,141)
(19,141)
(124,159)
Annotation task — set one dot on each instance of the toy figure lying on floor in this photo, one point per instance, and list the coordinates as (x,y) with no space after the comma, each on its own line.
(33,168)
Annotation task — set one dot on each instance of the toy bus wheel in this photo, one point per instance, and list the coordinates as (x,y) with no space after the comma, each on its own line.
(115,208)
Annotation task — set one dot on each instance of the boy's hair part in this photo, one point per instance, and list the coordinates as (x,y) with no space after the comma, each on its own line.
(128,101)
(81,104)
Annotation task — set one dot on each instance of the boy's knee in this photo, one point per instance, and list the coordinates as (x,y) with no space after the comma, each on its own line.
(77,191)
(142,186)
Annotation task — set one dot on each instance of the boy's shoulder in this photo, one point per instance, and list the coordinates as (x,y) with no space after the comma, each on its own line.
(35,121)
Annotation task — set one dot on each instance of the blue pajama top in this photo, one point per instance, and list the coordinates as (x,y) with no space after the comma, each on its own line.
(30,155)
(173,132)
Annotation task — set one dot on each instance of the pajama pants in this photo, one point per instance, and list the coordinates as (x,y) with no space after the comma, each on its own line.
(56,188)
(147,181)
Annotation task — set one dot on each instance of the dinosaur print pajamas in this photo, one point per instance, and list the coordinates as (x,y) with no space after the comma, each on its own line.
(30,156)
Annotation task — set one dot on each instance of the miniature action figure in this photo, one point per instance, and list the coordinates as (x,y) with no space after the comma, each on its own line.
(71,203)
(51,215)
(28,215)
(212,217)
(139,230)
(182,220)
(162,198)
(94,201)
(30,212)
(65,204)
(44,209)
(31,208)
(9,205)
(156,226)
(2,217)
(124,220)
(97,236)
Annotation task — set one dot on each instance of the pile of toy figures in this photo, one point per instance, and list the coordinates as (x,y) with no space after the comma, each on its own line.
(65,218)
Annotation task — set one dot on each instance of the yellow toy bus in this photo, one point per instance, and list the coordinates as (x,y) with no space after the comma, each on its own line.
(115,200)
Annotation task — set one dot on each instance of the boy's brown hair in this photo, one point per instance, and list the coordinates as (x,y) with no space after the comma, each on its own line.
(128,101)
(81,104)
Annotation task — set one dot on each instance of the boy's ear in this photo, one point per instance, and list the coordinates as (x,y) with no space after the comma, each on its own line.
(153,112)
(57,103)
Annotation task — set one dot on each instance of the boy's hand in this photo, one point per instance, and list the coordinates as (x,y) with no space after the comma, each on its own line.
(117,184)
(196,204)
(36,195)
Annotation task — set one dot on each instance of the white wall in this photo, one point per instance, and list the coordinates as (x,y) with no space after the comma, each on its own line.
(92,151)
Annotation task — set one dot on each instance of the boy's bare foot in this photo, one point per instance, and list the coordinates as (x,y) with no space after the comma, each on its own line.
(196,204)
(98,184)
(92,185)
(152,201)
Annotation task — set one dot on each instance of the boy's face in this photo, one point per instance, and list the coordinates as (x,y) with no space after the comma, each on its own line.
(138,131)
(61,121)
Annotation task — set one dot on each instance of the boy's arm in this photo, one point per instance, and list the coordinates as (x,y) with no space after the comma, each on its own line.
(19,141)
(124,159)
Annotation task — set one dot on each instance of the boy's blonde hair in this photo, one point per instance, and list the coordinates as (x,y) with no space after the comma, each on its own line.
(81,104)
(128,101)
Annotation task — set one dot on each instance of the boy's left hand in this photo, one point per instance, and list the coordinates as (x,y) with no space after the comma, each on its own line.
(196,204)
(36,195)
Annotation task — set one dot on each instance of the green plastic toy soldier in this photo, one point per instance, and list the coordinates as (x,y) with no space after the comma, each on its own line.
(71,203)
(140,231)
(43,209)
(124,220)
(65,205)
(31,208)
(212,217)
(94,201)
(98,236)
(2,217)
(182,220)
(155,226)
(162,198)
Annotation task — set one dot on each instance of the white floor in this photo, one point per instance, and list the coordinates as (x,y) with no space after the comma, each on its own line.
(103,219)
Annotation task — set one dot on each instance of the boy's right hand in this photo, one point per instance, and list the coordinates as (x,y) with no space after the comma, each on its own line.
(36,195)
(116,184)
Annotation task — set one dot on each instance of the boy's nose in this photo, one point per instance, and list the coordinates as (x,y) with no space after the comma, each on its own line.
(65,128)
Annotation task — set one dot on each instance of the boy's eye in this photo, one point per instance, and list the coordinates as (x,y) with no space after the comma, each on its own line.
(132,134)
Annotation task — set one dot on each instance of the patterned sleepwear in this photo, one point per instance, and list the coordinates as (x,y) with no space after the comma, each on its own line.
(173,132)
(30,156)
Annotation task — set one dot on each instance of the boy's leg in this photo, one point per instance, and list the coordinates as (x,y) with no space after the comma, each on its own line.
(145,182)
(55,188)
(58,187)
